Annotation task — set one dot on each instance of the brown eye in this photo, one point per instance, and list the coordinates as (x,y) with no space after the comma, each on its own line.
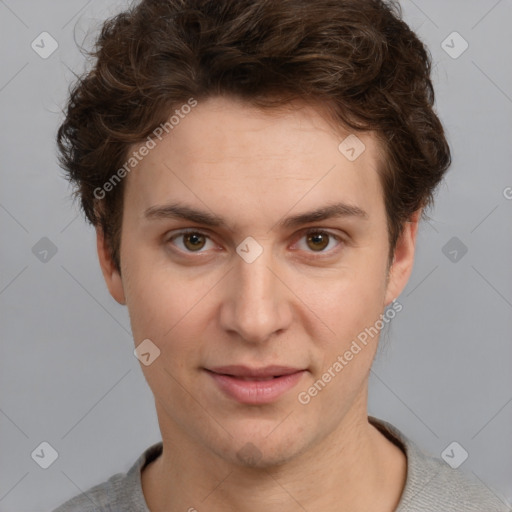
(190,241)
(194,241)
(318,241)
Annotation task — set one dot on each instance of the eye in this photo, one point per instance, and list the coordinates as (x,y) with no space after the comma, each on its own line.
(316,240)
(191,241)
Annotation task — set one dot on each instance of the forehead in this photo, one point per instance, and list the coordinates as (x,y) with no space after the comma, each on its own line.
(233,158)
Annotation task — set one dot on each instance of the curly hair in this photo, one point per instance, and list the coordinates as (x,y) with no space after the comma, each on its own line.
(357,58)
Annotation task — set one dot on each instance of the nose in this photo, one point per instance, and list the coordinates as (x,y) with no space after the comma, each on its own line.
(257,304)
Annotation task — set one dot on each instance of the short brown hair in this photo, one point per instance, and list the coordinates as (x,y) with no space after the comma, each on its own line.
(355,57)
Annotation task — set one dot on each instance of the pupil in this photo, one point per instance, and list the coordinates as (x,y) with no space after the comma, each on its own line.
(194,240)
(319,240)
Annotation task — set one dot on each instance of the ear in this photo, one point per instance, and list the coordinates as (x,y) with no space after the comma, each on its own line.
(403,260)
(110,273)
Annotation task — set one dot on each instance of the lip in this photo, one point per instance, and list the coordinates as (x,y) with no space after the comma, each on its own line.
(246,371)
(246,385)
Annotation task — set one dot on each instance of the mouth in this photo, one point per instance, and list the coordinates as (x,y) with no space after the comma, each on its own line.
(267,372)
(255,386)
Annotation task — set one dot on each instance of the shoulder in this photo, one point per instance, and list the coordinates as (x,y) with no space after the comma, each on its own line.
(432,484)
(120,490)
(97,498)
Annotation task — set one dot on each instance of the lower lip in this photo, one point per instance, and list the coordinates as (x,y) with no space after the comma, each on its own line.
(256,392)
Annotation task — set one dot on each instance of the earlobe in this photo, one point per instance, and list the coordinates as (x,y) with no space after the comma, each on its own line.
(110,273)
(403,260)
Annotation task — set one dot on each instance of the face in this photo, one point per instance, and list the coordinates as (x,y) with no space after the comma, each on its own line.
(253,254)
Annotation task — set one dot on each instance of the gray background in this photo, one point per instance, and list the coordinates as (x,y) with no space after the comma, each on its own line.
(68,375)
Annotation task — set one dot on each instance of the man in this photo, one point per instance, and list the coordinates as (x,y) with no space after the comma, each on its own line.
(256,171)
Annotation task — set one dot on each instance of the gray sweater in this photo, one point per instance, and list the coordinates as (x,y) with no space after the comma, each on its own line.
(431,485)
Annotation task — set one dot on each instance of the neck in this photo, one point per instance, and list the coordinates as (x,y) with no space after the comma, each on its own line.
(354,468)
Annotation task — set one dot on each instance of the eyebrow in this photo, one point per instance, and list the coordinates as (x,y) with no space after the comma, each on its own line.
(178,211)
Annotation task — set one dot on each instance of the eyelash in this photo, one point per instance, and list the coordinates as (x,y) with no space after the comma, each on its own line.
(310,231)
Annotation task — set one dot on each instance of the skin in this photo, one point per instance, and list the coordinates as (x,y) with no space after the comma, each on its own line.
(299,304)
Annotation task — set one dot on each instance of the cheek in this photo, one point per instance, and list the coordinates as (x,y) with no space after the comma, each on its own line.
(160,308)
(152,304)
(170,313)
(170,308)
(351,308)
(347,301)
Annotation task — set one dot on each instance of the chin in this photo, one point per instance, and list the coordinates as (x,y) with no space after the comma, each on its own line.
(263,451)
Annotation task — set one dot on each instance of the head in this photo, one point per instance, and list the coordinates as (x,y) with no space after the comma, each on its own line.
(229,119)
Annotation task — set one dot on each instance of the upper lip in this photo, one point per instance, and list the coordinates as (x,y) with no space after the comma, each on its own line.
(245,371)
